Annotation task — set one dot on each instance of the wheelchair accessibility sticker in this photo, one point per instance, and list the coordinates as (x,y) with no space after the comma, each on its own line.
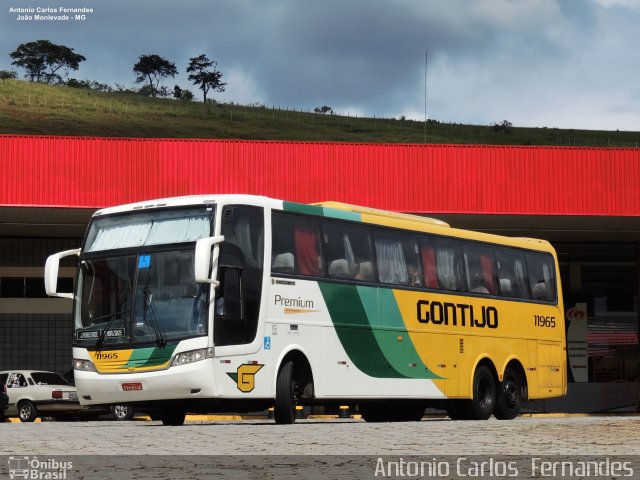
(144,261)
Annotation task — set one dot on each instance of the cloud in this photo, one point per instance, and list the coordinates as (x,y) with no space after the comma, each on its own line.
(531,62)
(635,4)
(241,88)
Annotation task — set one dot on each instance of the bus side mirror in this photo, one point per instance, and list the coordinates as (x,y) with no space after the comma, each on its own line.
(205,259)
(51,273)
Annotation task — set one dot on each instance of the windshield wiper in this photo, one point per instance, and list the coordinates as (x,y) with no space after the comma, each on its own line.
(112,317)
(149,314)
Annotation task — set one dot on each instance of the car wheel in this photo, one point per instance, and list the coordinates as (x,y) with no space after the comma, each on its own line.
(122,412)
(27,411)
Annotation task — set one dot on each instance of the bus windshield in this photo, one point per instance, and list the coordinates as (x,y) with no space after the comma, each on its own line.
(136,282)
(144,298)
(147,228)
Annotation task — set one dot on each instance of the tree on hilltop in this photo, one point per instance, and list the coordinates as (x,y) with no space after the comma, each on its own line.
(204,74)
(153,68)
(44,61)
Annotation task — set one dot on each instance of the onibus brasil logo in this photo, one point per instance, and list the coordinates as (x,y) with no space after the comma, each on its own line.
(35,468)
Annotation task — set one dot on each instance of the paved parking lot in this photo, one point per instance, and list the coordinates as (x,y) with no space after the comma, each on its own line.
(593,435)
(321,449)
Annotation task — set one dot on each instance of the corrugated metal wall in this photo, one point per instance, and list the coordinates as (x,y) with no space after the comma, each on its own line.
(97,172)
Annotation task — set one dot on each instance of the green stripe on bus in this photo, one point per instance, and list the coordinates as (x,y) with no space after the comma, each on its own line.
(321,211)
(342,214)
(150,357)
(401,353)
(354,330)
(302,208)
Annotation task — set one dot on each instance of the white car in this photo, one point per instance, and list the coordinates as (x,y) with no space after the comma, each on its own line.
(34,392)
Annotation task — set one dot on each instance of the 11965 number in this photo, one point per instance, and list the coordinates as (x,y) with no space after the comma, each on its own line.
(542,321)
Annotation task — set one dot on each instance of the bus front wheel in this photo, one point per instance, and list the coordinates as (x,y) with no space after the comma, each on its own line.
(284,411)
(172,414)
(509,395)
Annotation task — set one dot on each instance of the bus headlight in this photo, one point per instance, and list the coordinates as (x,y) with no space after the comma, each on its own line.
(192,356)
(83,365)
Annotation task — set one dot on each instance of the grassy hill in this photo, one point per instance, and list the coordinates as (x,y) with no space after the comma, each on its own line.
(31,108)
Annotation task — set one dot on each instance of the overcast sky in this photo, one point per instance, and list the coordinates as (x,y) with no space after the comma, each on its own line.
(554,63)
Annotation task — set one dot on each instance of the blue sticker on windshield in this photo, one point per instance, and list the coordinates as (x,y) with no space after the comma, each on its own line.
(144,261)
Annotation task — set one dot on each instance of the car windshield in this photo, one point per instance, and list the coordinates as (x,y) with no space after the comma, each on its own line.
(48,378)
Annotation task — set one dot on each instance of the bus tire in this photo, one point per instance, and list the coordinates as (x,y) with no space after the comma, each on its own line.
(483,402)
(27,411)
(173,415)
(284,411)
(509,396)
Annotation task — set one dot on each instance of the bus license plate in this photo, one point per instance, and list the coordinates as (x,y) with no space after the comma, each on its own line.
(129,387)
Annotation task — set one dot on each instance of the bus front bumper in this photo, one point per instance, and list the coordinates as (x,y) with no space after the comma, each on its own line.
(181,382)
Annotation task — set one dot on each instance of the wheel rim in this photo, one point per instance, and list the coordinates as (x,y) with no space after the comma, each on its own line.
(25,411)
(120,411)
(511,393)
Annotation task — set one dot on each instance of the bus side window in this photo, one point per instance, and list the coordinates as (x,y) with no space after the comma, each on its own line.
(428,260)
(480,269)
(282,258)
(296,246)
(511,277)
(397,257)
(541,276)
(348,251)
(449,265)
(307,246)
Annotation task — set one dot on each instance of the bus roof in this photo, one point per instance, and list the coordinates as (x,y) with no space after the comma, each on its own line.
(381,213)
(336,210)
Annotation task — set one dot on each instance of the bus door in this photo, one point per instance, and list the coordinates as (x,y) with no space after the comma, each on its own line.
(237,303)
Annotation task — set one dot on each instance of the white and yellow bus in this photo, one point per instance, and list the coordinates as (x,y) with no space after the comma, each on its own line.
(238,303)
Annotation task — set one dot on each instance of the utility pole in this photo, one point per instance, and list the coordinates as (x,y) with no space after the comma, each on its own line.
(426,57)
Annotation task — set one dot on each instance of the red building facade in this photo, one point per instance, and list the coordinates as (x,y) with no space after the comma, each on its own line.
(96,172)
(586,201)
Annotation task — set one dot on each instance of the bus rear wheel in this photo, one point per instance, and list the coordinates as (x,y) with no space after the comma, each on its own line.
(509,395)
(481,406)
(284,410)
